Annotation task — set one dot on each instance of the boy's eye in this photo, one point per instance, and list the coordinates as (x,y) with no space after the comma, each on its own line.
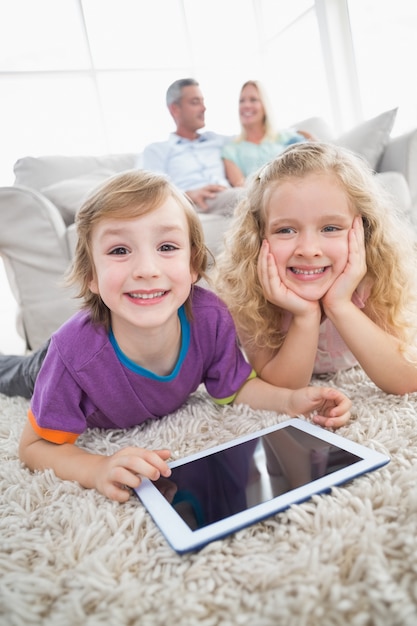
(119,250)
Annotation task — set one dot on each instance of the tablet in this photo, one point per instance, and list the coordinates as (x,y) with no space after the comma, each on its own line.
(222,489)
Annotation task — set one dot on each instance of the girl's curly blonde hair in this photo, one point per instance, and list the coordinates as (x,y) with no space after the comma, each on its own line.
(127,196)
(390,249)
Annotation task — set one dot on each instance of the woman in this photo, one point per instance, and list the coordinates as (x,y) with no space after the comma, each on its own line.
(258,141)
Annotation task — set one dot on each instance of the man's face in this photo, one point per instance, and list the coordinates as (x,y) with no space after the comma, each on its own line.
(189,112)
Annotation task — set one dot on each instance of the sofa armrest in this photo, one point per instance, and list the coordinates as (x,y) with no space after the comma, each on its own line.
(400,155)
(214,227)
(35,252)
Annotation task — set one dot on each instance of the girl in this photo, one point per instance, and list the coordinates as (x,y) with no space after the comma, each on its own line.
(319,273)
(146,338)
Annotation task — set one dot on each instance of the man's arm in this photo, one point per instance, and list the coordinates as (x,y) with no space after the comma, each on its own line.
(200,196)
(155,160)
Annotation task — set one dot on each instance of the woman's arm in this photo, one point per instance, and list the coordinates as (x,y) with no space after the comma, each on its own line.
(306,135)
(233,173)
(110,475)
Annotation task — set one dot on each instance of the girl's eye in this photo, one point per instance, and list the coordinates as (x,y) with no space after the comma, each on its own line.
(167,247)
(331,229)
(120,250)
(285,231)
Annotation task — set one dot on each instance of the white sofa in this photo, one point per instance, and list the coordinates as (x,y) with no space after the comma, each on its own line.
(37,234)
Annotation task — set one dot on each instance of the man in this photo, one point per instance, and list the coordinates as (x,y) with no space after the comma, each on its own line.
(192,160)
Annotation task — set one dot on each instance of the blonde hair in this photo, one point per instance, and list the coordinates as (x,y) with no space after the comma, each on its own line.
(270,132)
(390,250)
(127,196)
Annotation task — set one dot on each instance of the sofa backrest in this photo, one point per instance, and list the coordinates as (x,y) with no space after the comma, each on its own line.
(40,172)
(67,181)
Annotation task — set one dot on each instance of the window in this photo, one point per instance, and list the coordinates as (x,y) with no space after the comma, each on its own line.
(90,76)
(385,43)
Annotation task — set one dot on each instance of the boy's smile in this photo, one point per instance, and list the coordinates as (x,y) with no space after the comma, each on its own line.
(147,297)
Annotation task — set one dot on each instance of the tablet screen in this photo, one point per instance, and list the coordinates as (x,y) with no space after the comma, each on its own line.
(214,487)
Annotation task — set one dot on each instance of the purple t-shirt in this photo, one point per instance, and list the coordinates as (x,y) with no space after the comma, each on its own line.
(86,382)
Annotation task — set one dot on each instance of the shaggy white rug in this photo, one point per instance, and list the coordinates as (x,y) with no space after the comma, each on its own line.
(71,557)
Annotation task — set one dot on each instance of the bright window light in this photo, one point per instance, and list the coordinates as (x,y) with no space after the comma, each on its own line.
(90,76)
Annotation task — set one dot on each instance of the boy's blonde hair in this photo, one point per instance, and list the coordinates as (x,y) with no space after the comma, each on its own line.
(390,249)
(128,196)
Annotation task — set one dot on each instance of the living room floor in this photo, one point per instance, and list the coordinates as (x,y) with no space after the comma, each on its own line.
(10,340)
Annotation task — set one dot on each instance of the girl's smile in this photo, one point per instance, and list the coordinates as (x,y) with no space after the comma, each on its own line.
(308,274)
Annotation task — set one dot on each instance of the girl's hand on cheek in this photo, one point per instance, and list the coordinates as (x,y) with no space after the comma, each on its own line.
(354,271)
(275,291)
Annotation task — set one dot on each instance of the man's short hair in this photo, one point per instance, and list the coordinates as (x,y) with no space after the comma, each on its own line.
(174,91)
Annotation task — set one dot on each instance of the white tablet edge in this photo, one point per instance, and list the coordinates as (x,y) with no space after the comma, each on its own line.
(183,539)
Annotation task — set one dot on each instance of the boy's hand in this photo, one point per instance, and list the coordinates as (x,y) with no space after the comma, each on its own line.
(126,468)
(326,406)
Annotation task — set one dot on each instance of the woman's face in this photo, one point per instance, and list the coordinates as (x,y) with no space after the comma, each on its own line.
(251,109)
(307,226)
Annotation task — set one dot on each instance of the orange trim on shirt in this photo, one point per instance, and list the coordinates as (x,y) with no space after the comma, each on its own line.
(55,436)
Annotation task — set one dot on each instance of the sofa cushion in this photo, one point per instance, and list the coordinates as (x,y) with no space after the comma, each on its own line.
(401,155)
(396,185)
(68,195)
(317,127)
(39,172)
(369,138)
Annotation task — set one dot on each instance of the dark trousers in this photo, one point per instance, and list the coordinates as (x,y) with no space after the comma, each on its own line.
(18,372)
